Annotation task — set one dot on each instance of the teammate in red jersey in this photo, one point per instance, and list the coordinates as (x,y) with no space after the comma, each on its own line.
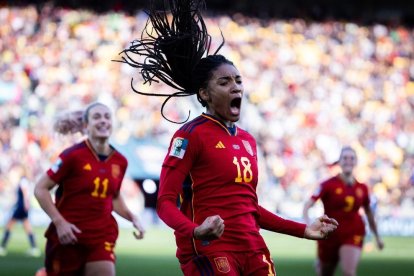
(342,197)
(211,166)
(82,235)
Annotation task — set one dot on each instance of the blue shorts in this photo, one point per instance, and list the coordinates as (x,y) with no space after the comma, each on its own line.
(20,214)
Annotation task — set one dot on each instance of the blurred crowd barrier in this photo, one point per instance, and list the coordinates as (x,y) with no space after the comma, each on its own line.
(311,87)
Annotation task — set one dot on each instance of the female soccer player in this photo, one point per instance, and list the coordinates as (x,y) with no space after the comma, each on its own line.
(82,235)
(211,165)
(21,213)
(342,197)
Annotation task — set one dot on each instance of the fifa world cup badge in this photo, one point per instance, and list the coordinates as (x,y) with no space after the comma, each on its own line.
(178,147)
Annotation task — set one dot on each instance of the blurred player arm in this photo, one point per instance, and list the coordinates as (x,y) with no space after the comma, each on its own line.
(373,226)
(120,207)
(306,207)
(66,231)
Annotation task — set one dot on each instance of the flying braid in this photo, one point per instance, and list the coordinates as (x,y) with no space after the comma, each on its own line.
(171,45)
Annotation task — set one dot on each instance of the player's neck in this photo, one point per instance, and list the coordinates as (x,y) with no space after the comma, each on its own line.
(225,122)
(101,146)
(348,178)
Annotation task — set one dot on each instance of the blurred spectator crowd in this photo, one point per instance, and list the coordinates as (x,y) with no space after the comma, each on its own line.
(311,87)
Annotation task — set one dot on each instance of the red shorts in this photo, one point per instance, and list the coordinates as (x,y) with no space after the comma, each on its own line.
(71,259)
(328,250)
(231,264)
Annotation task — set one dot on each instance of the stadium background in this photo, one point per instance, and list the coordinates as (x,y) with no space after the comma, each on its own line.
(318,74)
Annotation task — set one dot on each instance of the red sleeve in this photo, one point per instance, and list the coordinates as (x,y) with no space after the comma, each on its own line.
(175,169)
(170,186)
(272,222)
(124,166)
(367,200)
(60,168)
(320,191)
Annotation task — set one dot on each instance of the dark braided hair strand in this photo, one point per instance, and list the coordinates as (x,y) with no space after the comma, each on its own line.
(171,47)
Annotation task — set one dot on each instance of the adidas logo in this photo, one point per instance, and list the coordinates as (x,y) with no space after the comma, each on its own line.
(87,167)
(220,145)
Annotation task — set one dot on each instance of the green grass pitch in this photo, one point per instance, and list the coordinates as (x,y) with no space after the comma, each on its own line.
(155,255)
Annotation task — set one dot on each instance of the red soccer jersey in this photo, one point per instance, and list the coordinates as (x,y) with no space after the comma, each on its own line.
(213,171)
(87,186)
(342,202)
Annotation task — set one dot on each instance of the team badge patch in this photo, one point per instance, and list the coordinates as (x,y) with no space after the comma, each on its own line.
(109,246)
(222,264)
(116,170)
(55,167)
(357,240)
(359,192)
(179,147)
(317,191)
(248,147)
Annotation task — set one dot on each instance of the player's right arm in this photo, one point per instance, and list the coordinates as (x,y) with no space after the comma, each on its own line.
(170,188)
(306,207)
(176,167)
(65,230)
(317,194)
(212,227)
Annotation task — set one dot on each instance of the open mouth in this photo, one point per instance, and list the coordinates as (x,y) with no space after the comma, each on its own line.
(103,129)
(235,105)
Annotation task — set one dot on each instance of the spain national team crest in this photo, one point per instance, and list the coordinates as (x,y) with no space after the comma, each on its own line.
(248,147)
(116,170)
(222,264)
(338,191)
(108,246)
(359,192)
(357,240)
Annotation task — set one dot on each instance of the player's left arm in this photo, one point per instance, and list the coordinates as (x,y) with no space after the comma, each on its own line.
(305,212)
(373,226)
(120,207)
(319,229)
(274,223)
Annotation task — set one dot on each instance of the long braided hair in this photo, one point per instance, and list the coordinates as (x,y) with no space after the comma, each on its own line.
(173,49)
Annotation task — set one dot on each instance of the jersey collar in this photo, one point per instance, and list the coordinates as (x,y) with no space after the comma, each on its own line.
(231,131)
(95,154)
